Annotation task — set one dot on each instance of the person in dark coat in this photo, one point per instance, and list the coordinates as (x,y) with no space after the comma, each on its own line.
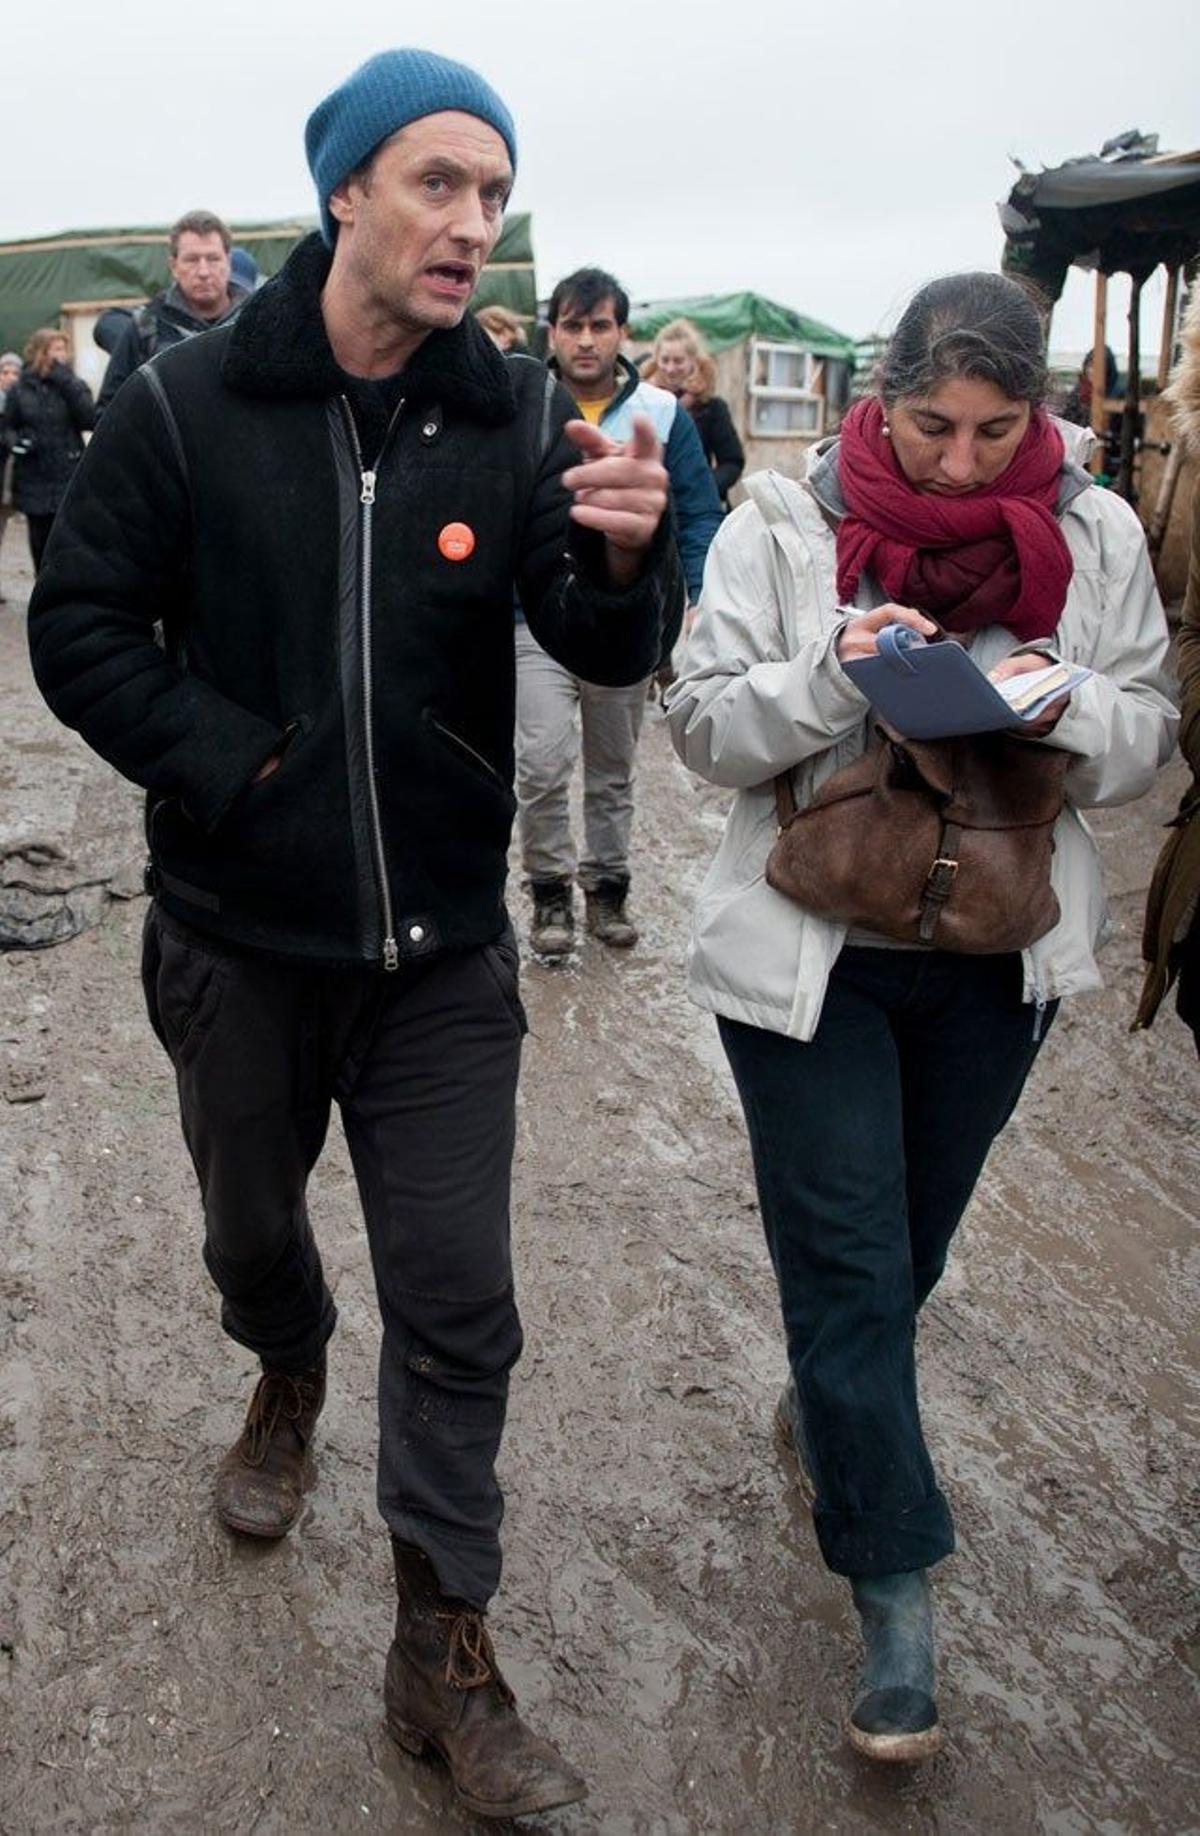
(203,292)
(682,363)
(10,370)
(327,504)
(46,413)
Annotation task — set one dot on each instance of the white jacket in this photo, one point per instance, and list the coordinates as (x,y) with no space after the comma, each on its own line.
(761,690)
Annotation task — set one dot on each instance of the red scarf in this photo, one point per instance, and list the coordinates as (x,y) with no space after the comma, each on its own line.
(993,556)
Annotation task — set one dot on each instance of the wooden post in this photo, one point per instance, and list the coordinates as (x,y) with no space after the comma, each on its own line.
(1166,348)
(1099,370)
(1123,484)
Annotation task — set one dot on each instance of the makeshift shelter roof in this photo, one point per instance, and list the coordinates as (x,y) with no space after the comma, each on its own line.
(119,267)
(1124,211)
(728,318)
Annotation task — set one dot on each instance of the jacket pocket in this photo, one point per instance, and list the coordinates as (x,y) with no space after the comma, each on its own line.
(465,752)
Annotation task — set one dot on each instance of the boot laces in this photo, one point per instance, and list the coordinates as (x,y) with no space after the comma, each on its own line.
(278,1397)
(471,1658)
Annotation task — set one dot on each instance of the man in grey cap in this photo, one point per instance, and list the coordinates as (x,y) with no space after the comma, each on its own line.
(327,504)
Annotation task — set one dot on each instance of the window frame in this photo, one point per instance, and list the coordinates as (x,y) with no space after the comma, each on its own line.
(767,392)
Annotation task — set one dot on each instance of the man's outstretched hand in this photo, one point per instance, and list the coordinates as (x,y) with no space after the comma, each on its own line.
(619,489)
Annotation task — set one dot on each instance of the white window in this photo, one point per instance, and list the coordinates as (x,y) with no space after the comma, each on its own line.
(783,390)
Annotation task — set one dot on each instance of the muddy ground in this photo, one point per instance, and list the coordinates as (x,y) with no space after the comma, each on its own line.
(664,1613)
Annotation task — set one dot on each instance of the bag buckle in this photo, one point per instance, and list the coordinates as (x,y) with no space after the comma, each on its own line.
(939,881)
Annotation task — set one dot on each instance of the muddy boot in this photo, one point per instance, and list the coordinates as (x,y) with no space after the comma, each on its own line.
(607,918)
(552,931)
(261,1480)
(443,1690)
(895,1716)
(790,1426)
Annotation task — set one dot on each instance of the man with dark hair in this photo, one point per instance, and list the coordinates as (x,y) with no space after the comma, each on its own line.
(559,710)
(327,505)
(202,294)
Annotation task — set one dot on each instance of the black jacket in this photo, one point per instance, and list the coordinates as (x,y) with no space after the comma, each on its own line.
(44,417)
(306,603)
(722,448)
(161,322)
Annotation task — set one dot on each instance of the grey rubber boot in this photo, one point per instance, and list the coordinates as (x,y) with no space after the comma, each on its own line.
(552,929)
(894,1715)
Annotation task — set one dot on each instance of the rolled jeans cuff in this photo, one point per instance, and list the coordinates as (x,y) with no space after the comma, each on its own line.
(885,1542)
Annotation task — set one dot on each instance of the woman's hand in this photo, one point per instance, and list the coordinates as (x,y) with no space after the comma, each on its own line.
(1024,665)
(860,638)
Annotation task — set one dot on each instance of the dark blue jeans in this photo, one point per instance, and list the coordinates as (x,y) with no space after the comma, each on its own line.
(867,1143)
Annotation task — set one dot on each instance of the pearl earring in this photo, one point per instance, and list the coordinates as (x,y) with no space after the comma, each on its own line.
(887,432)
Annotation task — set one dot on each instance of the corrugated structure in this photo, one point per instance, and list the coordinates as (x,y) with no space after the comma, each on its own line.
(729,318)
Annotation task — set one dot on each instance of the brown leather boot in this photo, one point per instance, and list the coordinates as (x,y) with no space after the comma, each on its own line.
(443,1689)
(261,1480)
(607,917)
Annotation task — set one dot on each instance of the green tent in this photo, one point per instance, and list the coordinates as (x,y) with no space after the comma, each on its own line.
(107,267)
(725,319)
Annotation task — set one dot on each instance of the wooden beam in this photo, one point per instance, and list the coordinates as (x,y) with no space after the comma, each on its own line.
(1166,346)
(1099,369)
(1123,484)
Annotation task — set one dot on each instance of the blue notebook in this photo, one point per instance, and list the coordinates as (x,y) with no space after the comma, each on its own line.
(934,691)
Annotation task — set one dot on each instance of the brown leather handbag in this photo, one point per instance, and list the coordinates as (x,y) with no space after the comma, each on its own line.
(942,842)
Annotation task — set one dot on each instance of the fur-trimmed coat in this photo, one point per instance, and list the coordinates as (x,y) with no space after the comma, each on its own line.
(1171,939)
(348,607)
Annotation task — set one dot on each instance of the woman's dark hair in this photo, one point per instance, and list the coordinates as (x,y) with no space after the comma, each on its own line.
(981,326)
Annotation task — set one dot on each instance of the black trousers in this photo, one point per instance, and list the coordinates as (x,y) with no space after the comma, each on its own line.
(423,1064)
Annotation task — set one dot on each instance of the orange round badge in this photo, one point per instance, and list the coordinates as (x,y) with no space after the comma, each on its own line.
(457,542)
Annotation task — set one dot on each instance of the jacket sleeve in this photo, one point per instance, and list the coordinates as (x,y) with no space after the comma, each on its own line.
(605,635)
(726,447)
(743,709)
(116,565)
(128,356)
(1120,724)
(80,403)
(694,499)
(1189,650)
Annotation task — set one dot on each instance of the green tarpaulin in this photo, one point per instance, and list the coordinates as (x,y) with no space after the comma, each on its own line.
(41,275)
(728,318)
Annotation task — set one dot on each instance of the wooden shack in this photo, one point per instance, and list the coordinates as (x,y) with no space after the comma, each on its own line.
(785,377)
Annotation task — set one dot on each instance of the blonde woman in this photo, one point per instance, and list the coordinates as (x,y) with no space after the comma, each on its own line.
(683,363)
(503,327)
(46,412)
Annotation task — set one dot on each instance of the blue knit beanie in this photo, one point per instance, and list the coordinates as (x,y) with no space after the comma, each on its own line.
(384,94)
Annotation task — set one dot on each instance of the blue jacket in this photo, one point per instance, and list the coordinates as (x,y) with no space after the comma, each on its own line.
(694,497)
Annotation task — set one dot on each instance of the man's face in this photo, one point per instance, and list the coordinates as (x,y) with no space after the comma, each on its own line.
(586,345)
(416,230)
(200,270)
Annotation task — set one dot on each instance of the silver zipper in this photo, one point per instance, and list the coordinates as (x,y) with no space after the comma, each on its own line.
(391,951)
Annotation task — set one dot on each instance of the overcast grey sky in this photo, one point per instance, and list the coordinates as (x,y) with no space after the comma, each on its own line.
(830,156)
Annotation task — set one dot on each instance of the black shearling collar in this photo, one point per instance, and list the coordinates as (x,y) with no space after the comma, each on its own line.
(278,346)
